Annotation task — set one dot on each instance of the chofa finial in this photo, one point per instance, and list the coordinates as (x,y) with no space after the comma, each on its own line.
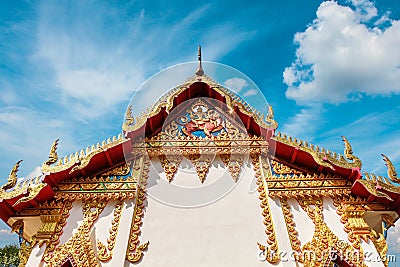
(391,170)
(199,71)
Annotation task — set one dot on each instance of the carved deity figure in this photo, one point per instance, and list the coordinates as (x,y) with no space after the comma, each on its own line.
(208,122)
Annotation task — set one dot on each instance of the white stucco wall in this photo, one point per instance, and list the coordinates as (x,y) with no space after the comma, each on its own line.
(74,220)
(223,233)
(102,232)
(35,259)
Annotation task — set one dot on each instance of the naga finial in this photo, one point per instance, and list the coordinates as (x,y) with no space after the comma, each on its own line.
(199,71)
(12,178)
(129,120)
(53,156)
(348,150)
(391,170)
(348,153)
(270,115)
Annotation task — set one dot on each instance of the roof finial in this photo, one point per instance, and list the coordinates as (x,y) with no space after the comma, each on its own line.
(199,71)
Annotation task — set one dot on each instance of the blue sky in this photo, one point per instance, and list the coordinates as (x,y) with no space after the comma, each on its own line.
(68,69)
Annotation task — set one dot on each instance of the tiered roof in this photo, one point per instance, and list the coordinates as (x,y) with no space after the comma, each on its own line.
(113,152)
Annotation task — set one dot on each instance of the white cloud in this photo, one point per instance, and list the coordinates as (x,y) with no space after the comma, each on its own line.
(236,84)
(26,134)
(394,237)
(305,124)
(88,59)
(92,73)
(339,56)
(250,92)
(384,19)
(98,66)
(7,95)
(365,9)
(222,39)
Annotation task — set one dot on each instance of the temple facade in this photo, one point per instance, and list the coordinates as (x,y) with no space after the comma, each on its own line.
(202,179)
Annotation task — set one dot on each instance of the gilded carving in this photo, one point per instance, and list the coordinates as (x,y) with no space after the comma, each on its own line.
(348,153)
(381,245)
(135,250)
(104,252)
(167,101)
(122,170)
(202,164)
(79,160)
(322,156)
(221,144)
(271,251)
(203,121)
(392,174)
(280,168)
(32,191)
(55,237)
(324,240)
(295,185)
(290,225)
(200,118)
(372,183)
(47,228)
(24,253)
(355,226)
(113,184)
(170,165)
(352,209)
(234,163)
(129,119)
(79,246)
(53,156)
(12,178)
(83,160)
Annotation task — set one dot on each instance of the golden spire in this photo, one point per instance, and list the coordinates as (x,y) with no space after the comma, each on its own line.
(199,71)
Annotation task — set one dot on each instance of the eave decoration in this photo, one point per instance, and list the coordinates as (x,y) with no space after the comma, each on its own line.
(325,158)
(379,188)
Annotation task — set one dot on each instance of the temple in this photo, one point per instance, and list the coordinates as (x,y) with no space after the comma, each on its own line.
(202,179)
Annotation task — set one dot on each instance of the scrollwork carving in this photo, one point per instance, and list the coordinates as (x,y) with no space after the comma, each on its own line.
(135,250)
(234,163)
(105,253)
(202,164)
(272,250)
(324,240)
(170,165)
(79,246)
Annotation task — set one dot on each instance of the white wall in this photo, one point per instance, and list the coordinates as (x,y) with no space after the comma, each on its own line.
(223,233)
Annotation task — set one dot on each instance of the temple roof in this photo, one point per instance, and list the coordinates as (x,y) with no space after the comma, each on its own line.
(114,151)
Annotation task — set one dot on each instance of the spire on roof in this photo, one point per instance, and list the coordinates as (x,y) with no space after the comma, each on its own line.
(199,71)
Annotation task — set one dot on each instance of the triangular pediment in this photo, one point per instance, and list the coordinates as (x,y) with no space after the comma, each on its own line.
(151,122)
(202,118)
